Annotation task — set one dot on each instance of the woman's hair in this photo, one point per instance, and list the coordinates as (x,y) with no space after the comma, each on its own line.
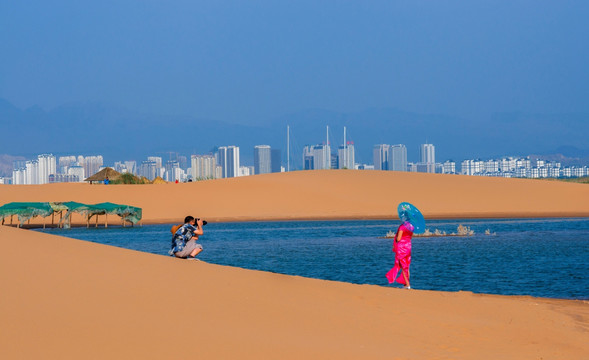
(188,219)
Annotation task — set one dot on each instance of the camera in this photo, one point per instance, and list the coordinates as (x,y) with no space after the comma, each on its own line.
(204,222)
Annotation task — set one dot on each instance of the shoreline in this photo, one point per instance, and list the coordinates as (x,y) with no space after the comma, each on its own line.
(523,297)
(36,224)
(84,235)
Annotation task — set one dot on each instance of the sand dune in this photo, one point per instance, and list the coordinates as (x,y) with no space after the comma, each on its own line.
(71,299)
(68,299)
(329,194)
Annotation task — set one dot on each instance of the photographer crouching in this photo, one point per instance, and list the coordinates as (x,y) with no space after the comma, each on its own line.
(185,236)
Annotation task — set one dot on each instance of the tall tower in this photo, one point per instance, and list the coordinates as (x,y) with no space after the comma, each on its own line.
(46,167)
(381,156)
(428,157)
(398,158)
(428,153)
(275,160)
(262,159)
(229,160)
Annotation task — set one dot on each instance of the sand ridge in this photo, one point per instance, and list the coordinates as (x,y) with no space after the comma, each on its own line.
(326,194)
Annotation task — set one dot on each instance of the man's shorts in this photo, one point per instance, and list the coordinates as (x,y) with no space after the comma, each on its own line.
(190,246)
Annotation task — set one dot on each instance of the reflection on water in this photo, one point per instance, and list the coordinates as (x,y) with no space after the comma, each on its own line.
(539,257)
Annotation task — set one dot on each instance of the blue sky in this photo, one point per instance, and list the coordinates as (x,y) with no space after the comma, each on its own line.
(252,61)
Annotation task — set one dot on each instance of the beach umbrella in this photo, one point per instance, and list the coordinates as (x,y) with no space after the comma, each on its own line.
(408,212)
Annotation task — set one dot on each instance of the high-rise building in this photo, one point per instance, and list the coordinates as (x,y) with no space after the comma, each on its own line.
(46,166)
(183,161)
(317,157)
(229,160)
(65,162)
(398,157)
(308,158)
(427,153)
(91,164)
(262,159)
(203,167)
(380,155)
(276,161)
(428,157)
(171,173)
(157,160)
(32,172)
(321,157)
(148,169)
(346,156)
(120,167)
(131,166)
(77,170)
(19,176)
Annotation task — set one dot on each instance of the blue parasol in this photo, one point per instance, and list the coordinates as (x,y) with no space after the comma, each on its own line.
(408,212)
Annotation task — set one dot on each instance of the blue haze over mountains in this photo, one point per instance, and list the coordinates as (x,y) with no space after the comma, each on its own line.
(120,134)
(130,78)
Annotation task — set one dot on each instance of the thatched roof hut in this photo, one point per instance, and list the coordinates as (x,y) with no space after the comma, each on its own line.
(100,176)
(159,180)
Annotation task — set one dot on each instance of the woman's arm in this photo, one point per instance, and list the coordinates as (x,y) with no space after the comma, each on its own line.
(399,234)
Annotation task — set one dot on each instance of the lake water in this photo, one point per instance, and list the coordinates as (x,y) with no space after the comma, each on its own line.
(539,257)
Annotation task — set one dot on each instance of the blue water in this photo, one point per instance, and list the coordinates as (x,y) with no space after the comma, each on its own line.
(538,257)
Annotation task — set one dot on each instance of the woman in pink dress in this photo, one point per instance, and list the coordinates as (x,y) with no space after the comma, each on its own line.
(402,250)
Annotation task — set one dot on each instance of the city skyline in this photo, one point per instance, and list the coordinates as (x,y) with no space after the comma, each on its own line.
(225,163)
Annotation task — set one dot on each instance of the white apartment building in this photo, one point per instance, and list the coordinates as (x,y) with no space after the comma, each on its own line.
(46,166)
(523,163)
(507,164)
(472,167)
(77,170)
(246,170)
(449,167)
(203,167)
(491,166)
(19,176)
(157,160)
(35,171)
(91,164)
(427,153)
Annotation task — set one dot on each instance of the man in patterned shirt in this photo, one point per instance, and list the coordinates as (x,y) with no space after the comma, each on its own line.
(184,240)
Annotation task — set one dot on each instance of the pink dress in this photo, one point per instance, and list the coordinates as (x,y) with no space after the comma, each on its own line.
(402,250)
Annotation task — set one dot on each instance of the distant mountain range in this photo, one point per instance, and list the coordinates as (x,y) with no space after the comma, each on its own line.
(121,134)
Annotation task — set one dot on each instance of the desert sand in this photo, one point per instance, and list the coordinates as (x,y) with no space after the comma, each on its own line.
(326,194)
(62,298)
